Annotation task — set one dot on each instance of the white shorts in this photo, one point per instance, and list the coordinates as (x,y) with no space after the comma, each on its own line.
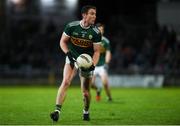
(100,70)
(68,62)
(81,73)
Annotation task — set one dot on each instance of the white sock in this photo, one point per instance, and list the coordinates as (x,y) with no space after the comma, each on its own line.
(57,111)
(85,112)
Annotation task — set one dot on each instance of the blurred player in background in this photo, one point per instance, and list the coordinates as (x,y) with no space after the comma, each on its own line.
(79,37)
(101,69)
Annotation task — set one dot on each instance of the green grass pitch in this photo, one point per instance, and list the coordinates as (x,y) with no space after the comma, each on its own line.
(32,105)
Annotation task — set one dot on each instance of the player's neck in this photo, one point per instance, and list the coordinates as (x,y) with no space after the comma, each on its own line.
(84,24)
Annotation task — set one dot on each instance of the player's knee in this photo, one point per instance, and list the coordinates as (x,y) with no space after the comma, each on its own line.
(85,93)
(66,83)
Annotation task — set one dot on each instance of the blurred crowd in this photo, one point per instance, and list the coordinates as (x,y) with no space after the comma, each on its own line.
(154,52)
(31,44)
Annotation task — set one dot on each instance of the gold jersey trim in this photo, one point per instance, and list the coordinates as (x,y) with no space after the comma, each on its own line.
(81,42)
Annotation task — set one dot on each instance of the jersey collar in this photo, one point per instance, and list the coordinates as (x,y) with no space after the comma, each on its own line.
(81,24)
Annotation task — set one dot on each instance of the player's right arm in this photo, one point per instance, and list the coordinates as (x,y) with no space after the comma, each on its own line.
(66,37)
(64,42)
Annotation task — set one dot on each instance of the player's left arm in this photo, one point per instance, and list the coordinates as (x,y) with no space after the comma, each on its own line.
(96,53)
(108,56)
(96,45)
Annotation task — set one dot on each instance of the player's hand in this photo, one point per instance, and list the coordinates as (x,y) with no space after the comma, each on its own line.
(106,66)
(91,68)
(71,58)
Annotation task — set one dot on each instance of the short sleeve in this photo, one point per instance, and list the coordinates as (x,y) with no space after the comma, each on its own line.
(67,30)
(97,35)
(108,45)
(98,39)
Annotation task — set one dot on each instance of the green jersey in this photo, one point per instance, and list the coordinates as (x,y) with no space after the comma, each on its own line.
(81,39)
(105,46)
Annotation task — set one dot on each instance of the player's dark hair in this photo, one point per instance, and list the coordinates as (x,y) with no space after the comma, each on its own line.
(86,8)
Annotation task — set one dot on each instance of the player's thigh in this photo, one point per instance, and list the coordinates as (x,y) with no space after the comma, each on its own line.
(103,75)
(68,73)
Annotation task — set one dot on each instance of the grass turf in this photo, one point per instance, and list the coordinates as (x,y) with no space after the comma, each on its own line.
(32,105)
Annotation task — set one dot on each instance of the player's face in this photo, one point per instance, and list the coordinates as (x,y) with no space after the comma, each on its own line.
(90,17)
(101,29)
